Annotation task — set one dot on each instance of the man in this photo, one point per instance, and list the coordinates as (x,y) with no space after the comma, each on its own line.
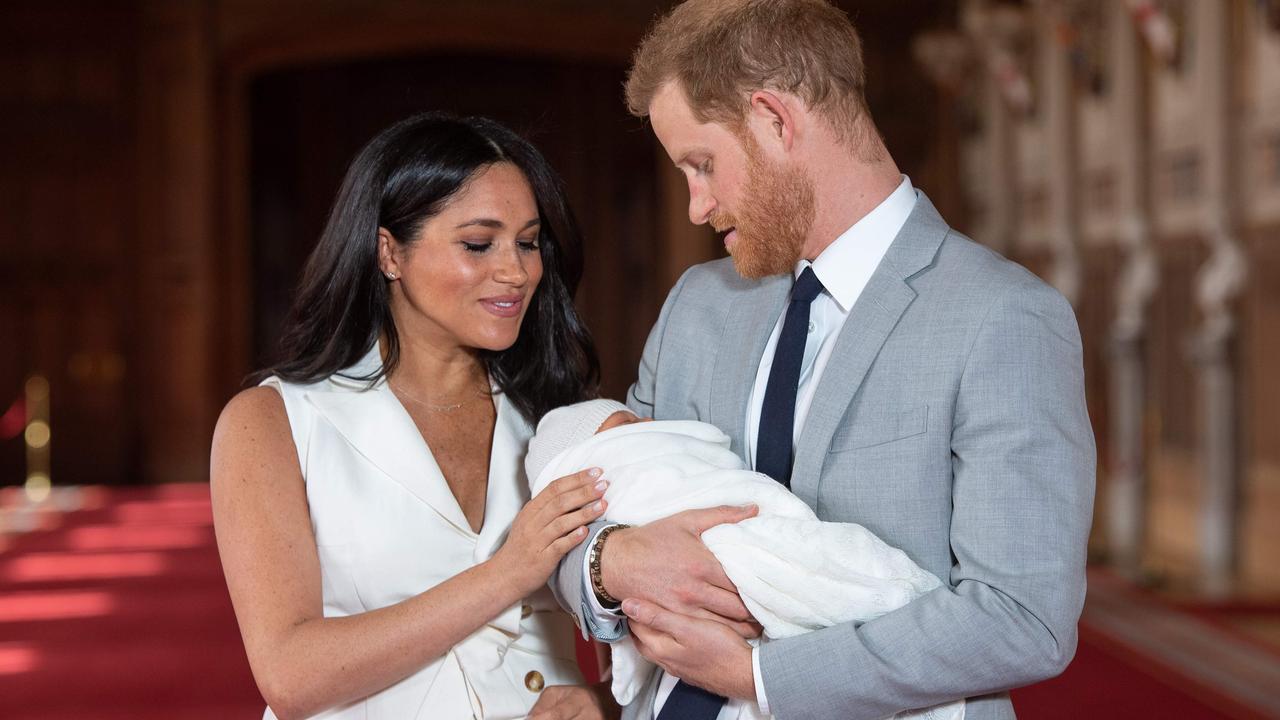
(887,369)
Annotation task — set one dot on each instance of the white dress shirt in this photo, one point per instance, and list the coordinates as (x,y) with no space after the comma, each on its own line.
(843,268)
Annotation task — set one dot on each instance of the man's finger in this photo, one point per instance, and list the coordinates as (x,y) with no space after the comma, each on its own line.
(642,612)
(703,520)
(725,603)
(746,630)
(652,615)
(650,644)
(654,621)
(676,627)
(637,636)
(642,636)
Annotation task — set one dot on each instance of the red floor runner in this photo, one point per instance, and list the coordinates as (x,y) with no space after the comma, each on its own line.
(121,612)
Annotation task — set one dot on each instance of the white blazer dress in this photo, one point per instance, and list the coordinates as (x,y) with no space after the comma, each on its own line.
(387,528)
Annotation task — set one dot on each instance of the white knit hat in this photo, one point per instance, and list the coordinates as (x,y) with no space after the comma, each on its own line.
(565,427)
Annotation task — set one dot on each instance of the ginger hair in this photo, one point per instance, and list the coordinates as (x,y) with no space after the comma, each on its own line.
(720,51)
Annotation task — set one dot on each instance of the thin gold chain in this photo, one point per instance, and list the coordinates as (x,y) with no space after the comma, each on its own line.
(432,407)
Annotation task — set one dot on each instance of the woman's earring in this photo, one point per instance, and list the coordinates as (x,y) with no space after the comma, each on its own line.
(391,276)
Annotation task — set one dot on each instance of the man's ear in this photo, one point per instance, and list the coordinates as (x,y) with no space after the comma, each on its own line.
(773,118)
(388,263)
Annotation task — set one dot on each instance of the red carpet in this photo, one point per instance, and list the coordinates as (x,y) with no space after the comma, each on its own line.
(120,611)
(1105,681)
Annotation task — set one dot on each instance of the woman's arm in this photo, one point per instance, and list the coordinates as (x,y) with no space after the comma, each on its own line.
(303,662)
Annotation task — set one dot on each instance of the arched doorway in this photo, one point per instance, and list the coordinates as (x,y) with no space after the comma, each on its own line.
(306,123)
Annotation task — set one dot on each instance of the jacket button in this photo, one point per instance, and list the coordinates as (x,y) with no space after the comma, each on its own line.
(533,680)
(526,610)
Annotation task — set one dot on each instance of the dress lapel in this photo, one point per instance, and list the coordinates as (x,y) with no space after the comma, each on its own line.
(746,332)
(870,322)
(376,425)
(508,489)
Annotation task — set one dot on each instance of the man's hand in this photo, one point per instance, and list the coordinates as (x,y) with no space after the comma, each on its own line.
(701,652)
(666,563)
(574,702)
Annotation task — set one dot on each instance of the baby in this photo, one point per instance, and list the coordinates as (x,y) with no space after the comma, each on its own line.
(794,572)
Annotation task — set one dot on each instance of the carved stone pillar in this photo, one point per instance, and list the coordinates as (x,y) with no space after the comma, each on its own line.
(1002,218)
(1218,283)
(959,62)
(992,32)
(1066,272)
(1138,280)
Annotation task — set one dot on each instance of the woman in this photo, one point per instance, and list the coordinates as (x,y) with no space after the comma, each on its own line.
(367,497)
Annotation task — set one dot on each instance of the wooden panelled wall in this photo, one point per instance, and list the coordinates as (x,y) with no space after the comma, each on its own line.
(70,263)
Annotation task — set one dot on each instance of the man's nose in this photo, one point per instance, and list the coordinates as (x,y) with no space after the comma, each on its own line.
(701,203)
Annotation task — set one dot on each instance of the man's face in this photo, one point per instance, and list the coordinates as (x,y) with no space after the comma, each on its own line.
(765,208)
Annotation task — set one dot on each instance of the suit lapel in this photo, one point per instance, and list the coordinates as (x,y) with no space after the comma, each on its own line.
(871,320)
(375,423)
(747,327)
(864,332)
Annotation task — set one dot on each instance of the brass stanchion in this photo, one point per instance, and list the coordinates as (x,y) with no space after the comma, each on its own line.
(38,438)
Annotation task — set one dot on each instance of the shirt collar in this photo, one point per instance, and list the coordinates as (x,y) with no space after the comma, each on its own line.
(846,265)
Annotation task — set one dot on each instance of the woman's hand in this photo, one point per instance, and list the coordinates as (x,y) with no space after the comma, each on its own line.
(574,702)
(550,526)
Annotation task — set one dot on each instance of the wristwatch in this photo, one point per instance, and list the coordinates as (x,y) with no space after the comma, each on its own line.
(593,568)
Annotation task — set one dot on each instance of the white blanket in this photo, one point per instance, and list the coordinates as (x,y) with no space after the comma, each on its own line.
(794,572)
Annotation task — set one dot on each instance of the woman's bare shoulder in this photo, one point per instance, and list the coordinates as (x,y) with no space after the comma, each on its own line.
(254,427)
(255,409)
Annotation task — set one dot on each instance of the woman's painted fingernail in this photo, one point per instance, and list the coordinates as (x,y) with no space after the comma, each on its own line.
(602,485)
(594,472)
(598,506)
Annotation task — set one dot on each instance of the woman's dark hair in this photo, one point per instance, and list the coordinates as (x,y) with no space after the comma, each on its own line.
(401,178)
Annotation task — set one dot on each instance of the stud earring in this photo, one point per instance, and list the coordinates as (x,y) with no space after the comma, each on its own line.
(391,276)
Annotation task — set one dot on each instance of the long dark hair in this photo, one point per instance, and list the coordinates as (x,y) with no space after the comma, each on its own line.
(398,181)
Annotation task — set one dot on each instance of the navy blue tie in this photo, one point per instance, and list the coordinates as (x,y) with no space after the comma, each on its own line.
(778,411)
(690,702)
(773,455)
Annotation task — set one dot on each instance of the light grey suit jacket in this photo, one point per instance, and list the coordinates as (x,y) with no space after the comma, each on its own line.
(951,421)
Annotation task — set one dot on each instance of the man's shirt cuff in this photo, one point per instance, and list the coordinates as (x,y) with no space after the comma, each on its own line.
(755,672)
(599,622)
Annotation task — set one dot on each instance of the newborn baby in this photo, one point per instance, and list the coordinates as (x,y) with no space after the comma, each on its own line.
(794,572)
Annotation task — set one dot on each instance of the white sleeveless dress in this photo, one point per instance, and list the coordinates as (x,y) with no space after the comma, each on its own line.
(387,528)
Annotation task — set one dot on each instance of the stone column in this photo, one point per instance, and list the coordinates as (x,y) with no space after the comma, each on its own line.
(1001,200)
(991,33)
(1139,278)
(1066,272)
(1218,283)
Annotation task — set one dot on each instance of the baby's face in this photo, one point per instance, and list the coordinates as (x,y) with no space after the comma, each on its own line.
(618,419)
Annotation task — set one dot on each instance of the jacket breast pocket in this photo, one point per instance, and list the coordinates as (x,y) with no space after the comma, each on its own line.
(880,429)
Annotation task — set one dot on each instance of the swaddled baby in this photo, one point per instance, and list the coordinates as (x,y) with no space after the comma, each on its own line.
(794,572)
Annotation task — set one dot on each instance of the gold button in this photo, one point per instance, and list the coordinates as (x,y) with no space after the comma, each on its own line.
(526,610)
(533,680)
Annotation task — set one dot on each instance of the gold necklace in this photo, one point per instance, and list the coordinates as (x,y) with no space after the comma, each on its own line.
(432,407)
